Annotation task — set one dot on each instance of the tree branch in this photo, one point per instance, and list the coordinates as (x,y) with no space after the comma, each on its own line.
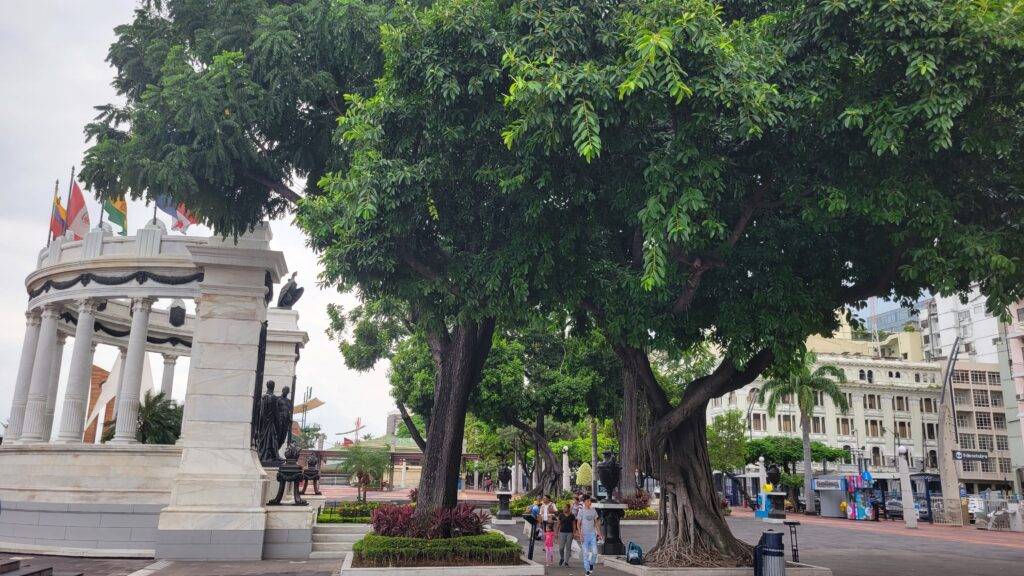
(637,361)
(275,186)
(413,431)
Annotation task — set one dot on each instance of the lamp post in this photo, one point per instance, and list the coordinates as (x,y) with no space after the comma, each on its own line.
(906,489)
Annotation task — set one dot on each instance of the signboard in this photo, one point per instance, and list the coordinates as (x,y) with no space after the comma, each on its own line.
(828,484)
(970,455)
(866,476)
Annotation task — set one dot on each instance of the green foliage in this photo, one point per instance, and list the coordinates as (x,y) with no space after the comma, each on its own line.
(366,464)
(792,481)
(309,436)
(786,450)
(727,442)
(490,549)
(802,384)
(402,431)
(326,518)
(642,514)
(579,448)
(584,475)
(159,421)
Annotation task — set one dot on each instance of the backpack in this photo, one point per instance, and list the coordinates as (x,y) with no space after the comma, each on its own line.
(634,553)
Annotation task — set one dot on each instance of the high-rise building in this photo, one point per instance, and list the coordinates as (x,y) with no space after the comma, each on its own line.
(944,318)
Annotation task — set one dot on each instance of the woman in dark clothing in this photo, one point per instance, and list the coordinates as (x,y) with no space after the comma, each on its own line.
(566,525)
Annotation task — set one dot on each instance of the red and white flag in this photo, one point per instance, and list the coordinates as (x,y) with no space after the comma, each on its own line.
(183,219)
(78,214)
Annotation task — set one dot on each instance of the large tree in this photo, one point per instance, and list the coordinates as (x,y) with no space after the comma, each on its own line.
(753,167)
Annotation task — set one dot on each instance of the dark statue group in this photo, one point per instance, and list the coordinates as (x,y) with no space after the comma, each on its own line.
(273,423)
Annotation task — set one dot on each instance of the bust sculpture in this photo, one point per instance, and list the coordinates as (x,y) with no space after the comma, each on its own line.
(504,475)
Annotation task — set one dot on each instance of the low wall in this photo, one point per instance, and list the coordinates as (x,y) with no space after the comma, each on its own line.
(84,500)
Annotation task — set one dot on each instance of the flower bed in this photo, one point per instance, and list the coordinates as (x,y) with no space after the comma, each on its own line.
(489,549)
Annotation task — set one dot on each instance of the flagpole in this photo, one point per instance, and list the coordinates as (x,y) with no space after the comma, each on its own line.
(56,190)
(67,207)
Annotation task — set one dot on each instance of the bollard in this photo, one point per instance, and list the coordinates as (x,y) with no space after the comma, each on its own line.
(769,555)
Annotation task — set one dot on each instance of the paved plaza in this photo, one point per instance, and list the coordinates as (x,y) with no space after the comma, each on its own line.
(848,548)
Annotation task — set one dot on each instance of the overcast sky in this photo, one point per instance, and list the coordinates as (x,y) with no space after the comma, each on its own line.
(52,72)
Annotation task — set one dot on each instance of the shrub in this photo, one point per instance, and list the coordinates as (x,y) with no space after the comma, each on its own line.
(489,549)
(643,514)
(323,518)
(584,476)
(641,501)
(463,520)
(346,511)
(414,494)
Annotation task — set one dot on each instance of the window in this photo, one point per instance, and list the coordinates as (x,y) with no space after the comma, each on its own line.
(758,422)
(844,426)
(817,425)
(996,398)
(971,466)
(874,428)
(917,376)
(1002,442)
(933,459)
(988,465)
(999,420)
(993,379)
(961,397)
(979,311)
(961,377)
(848,459)
(978,377)
(890,373)
(981,398)
(967,442)
(897,374)
(1020,314)
(924,324)
(871,376)
(716,402)
(786,423)
(861,375)
(1005,466)
(967,331)
(876,456)
(963,316)
(903,429)
(787,398)
(819,398)
(985,442)
(872,401)
(849,399)
(929,405)
(927,338)
(983,421)
(932,379)
(901,403)
(963,419)
(930,430)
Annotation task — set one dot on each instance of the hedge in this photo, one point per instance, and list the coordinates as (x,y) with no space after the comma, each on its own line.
(644,514)
(490,549)
(324,518)
(347,512)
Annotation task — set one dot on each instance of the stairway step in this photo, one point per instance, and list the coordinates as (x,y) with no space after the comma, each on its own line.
(323,555)
(332,546)
(32,571)
(341,529)
(337,537)
(7,566)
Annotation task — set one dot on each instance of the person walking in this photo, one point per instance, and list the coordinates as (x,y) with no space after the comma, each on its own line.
(587,526)
(566,534)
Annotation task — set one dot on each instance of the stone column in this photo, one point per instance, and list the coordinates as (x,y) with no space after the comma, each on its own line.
(566,480)
(167,381)
(128,401)
(39,387)
(51,395)
(216,509)
(21,385)
(906,488)
(76,397)
(476,479)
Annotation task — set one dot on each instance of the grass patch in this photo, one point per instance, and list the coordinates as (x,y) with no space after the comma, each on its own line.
(643,514)
(489,549)
(346,512)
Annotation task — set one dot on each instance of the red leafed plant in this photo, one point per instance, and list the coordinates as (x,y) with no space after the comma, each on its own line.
(641,501)
(395,520)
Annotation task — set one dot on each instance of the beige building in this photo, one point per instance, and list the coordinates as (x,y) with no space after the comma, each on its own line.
(980,408)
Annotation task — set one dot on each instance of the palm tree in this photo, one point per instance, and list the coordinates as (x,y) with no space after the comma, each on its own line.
(159,421)
(365,464)
(805,384)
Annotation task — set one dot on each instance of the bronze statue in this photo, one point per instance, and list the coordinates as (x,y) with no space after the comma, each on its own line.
(311,473)
(284,416)
(290,293)
(289,472)
(267,444)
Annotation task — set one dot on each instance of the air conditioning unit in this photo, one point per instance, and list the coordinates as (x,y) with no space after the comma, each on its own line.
(1020,397)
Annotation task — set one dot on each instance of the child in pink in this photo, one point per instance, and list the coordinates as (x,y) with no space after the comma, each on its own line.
(549,542)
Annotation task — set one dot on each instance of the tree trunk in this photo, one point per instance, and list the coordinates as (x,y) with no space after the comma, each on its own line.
(459,358)
(629,431)
(547,479)
(805,423)
(693,529)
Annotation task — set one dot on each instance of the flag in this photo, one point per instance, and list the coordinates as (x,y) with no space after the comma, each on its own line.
(58,217)
(117,212)
(78,213)
(177,211)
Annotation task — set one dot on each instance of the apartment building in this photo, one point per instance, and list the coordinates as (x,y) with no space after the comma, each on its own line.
(943,318)
(1013,386)
(892,402)
(981,424)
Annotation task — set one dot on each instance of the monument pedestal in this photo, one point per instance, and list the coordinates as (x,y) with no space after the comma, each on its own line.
(216,509)
(611,514)
(504,515)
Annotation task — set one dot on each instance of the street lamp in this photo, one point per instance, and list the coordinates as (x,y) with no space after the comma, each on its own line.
(906,489)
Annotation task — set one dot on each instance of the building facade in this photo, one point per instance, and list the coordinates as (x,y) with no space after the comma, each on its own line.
(944,318)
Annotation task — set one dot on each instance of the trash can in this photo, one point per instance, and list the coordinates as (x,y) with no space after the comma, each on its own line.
(769,555)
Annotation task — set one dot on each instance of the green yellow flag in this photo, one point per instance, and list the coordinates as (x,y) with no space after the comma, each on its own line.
(117,212)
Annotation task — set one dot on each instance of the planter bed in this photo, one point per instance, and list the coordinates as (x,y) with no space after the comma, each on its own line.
(491,552)
(792,569)
(327,519)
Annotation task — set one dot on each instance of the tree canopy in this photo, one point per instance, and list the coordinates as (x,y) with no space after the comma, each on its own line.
(727,442)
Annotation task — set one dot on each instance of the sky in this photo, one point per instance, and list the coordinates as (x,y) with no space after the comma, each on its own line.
(52,72)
